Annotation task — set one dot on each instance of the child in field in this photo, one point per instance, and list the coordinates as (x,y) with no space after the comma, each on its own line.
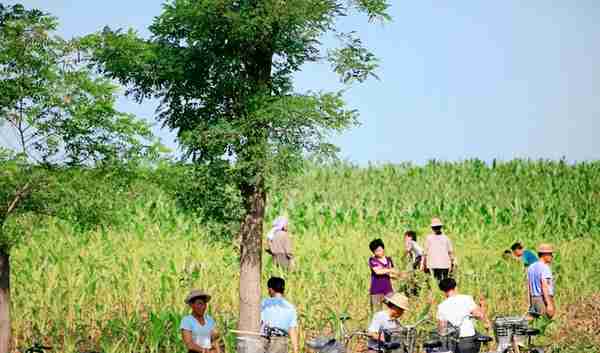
(413,250)
(382,271)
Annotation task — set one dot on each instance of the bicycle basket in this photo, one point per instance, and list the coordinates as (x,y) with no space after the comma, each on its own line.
(506,326)
(406,337)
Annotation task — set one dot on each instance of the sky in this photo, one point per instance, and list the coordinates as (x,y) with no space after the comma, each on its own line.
(458,79)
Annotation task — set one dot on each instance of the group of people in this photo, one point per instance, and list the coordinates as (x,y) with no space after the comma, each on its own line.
(279,319)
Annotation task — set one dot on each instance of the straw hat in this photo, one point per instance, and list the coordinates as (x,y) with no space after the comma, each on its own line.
(436,222)
(196,293)
(399,300)
(545,248)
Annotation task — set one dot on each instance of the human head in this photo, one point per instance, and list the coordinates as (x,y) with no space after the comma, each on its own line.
(436,225)
(377,247)
(397,304)
(448,286)
(517,249)
(281,223)
(197,300)
(276,285)
(546,252)
(411,234)
(507,254)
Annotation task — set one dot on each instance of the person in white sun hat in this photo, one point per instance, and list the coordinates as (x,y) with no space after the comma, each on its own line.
(439,254)
(387,319)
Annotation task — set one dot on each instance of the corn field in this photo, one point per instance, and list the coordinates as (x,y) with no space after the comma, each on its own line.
(121,288)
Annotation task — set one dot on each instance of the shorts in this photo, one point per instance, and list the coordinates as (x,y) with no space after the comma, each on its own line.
(538,306)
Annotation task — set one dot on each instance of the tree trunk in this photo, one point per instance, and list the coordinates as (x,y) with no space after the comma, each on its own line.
(5,335)
(250,263)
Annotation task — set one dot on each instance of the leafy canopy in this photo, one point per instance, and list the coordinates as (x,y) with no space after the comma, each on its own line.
(223,72)
(50,101)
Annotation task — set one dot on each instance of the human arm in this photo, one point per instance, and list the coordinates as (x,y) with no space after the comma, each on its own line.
(548,299)
(189,342)
(215,340)
(451,254)
(481,313)
(288,245)
(294,338)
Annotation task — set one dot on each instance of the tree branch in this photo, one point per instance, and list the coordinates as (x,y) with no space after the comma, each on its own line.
(24,191)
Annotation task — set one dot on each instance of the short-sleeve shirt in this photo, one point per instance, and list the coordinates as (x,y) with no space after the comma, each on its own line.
(201,334)
(381,320)
(438,248)
(528,258)
(536,273)
(456,311)
(278,313)
(380,284)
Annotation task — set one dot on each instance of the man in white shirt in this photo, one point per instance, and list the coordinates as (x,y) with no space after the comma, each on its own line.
(457,310)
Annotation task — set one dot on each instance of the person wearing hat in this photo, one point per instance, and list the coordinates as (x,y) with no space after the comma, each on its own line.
(541,284)
(278,319)
(280,245)
(198,330)
(439,256)
(457,310)
(387,319)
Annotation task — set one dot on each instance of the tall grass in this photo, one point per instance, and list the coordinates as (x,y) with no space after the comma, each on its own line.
(121,289)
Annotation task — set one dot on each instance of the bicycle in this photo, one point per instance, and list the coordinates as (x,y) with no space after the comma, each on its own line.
(398,340)
(448,341)
(508,330)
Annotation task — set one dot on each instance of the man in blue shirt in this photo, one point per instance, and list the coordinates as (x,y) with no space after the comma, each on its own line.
(278,319)
(541,283)
(527,256)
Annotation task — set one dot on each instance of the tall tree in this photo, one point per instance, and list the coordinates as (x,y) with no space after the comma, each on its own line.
(59,114)
(223,71)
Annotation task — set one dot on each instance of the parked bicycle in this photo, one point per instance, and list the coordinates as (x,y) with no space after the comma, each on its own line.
(448,341)
(512,331)
(398,340)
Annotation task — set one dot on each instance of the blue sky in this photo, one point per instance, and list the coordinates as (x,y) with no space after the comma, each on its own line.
(459,79)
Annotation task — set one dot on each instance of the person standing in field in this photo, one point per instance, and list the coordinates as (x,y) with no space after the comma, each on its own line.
(386,319)
(198,330)
(279,244)
(278,319)
(541,284)
(525,255)
(457,310)
(412,249)
(382,271)
(439,256)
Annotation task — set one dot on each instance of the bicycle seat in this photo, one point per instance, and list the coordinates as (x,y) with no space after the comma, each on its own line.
(345,317)
(432,344)
(484,339)
(318,343)
(532,332)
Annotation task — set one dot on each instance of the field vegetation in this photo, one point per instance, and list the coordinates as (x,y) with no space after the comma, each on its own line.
(111,273)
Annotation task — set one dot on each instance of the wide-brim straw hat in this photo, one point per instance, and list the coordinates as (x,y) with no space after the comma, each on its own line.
(197,293)
(545,248)
(436,222)
(397,299)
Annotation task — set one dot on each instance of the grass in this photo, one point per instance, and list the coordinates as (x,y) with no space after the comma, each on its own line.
(121,289)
